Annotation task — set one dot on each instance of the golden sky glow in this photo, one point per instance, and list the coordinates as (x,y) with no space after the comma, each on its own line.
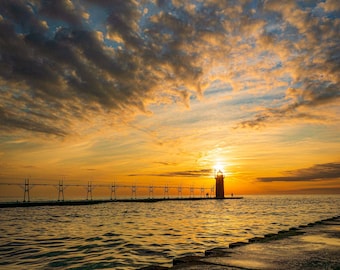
(162,92)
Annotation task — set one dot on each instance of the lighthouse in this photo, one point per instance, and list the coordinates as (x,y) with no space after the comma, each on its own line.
(219,185)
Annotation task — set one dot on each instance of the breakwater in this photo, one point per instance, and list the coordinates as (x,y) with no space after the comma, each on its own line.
(311,246)
(89,202)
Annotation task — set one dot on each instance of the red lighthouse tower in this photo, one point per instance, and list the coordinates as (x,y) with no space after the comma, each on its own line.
(219,185)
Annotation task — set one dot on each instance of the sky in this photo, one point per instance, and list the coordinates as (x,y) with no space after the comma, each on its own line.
(166,92)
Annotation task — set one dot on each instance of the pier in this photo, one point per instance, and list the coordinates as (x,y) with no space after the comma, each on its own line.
(90,202)
(151,193)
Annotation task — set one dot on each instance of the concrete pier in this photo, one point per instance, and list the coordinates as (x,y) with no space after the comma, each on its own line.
(89,202)
(307,247)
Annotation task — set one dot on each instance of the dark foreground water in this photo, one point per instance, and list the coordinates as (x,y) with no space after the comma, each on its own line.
(132,235)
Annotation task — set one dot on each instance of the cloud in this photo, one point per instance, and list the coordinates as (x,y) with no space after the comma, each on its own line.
(64,62)
(189,173)
(309,61)
(8,120)
(63,10)
(330,190)
(22,14)
(330,5)
(300,105)
(165,163)
(324,171)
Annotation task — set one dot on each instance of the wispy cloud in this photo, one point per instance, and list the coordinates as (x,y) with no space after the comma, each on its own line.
(307,59)
(317,172)
(189,173)
(330,190)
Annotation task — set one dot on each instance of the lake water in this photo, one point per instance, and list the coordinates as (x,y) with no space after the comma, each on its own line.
(132,235)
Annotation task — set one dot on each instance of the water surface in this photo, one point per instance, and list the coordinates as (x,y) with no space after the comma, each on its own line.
(132,235)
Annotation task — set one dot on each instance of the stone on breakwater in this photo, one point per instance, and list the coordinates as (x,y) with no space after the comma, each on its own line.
(255,239)
(217,252)
(303,226)
(187,260)
(237,244)
(276,236)
(154,267)
(268,235)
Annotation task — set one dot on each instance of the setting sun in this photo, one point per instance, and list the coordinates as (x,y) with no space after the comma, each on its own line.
(219,167)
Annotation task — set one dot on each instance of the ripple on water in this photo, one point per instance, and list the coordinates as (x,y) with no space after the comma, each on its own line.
(112,244)
(110,234)
(148,252)
(83,247)
(47,254)
(5,249)
(64,262)
(91,239)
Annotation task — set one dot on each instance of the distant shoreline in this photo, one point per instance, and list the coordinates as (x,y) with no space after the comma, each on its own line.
(90,202)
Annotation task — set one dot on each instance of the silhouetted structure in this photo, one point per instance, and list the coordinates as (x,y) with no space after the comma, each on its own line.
(89,191)
(27,189)
(61,189)
(89,187)
(219,185)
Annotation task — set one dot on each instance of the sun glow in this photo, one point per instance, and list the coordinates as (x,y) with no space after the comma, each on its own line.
(218,167)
